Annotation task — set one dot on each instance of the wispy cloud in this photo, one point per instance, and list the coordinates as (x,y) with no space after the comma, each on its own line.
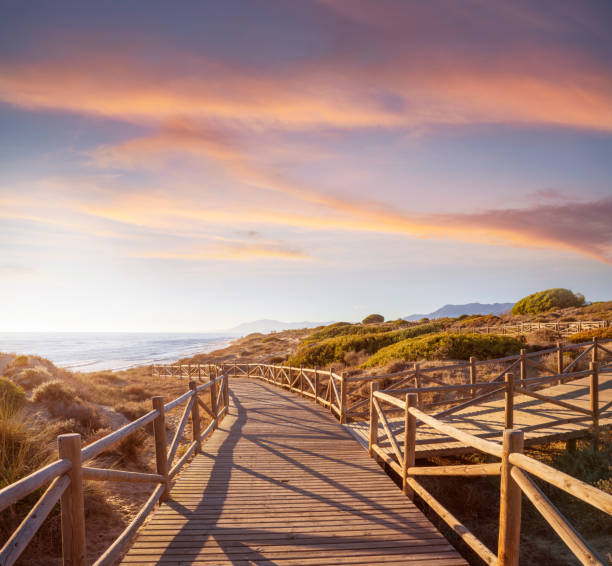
(402,93)
(581,227)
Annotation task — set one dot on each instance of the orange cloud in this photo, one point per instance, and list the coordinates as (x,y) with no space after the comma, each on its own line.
(562,90)
(540,226)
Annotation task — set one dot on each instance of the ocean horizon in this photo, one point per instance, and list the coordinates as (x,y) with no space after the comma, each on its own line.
(95,351)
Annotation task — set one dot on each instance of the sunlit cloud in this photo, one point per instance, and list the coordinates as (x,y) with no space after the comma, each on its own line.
(403,93)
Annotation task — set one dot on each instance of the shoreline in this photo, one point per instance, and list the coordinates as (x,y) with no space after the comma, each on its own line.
(95,352)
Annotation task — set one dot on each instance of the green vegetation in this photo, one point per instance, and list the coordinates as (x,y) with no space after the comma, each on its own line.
(348,329)
(12,398)
(544,301)
(334,349)
(448,346)
(373,318)
(603,333)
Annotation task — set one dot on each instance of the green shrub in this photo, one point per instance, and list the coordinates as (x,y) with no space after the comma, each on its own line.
(587,335)
(12,398)
(373,318)
(448,346)
(544,301)
(346,329)
(334,349)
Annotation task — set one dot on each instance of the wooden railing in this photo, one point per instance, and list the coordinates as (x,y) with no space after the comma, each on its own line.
(514,469)
(323,386)
(346,398)
(563,328)
(65,476)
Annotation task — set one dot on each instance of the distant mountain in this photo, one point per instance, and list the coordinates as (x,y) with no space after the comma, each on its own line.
(264,326)
(457,310)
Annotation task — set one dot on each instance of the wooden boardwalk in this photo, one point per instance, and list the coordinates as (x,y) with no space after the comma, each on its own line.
(281,482)
(538,419)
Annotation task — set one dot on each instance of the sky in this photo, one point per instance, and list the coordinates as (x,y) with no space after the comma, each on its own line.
(188,166)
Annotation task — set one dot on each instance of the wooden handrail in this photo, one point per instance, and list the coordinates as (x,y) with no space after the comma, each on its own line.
(66,475)
(513,480)
(341,401)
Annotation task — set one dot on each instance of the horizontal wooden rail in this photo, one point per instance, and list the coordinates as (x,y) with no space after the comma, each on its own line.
(511,470)
(66,475)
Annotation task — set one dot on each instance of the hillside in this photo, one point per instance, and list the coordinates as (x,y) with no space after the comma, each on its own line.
(364,348)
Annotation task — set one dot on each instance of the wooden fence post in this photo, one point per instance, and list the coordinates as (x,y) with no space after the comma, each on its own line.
(559,362)
(195,414)
(74,548)
(213,399)
(226,392)
(332,395)
(417,384)
(472,375)
(373,418)
(290,378)
(161,451)
(301,381)
(509,504)
(594,396)
(343,397)
(594,352)
(316,384)
(409,443)
(509,401)
(523,371)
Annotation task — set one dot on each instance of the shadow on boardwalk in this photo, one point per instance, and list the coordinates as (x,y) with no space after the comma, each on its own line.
(282,483)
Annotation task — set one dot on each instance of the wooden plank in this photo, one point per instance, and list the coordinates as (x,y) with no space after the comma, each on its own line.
(282,482)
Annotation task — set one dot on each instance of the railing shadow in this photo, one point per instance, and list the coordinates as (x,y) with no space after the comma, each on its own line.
(240,543)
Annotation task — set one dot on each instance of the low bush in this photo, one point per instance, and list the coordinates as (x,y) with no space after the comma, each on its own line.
(30,378)
(136,392)
(448,346)
(373,319)
(20,452)
(334,349)
(62,402)
(132,410)
(344,329)
(598,307)
(544,301)
(587,335)
(53,392)
(20,361)
(12,398)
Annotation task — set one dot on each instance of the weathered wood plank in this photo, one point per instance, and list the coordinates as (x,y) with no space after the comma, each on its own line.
(281,482)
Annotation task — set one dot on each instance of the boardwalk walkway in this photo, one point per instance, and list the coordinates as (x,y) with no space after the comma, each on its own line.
(541,421)
(281,482)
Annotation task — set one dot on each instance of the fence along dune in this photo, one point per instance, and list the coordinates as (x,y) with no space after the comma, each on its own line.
(65,476)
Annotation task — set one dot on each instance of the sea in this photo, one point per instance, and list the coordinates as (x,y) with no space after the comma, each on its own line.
(93,351)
